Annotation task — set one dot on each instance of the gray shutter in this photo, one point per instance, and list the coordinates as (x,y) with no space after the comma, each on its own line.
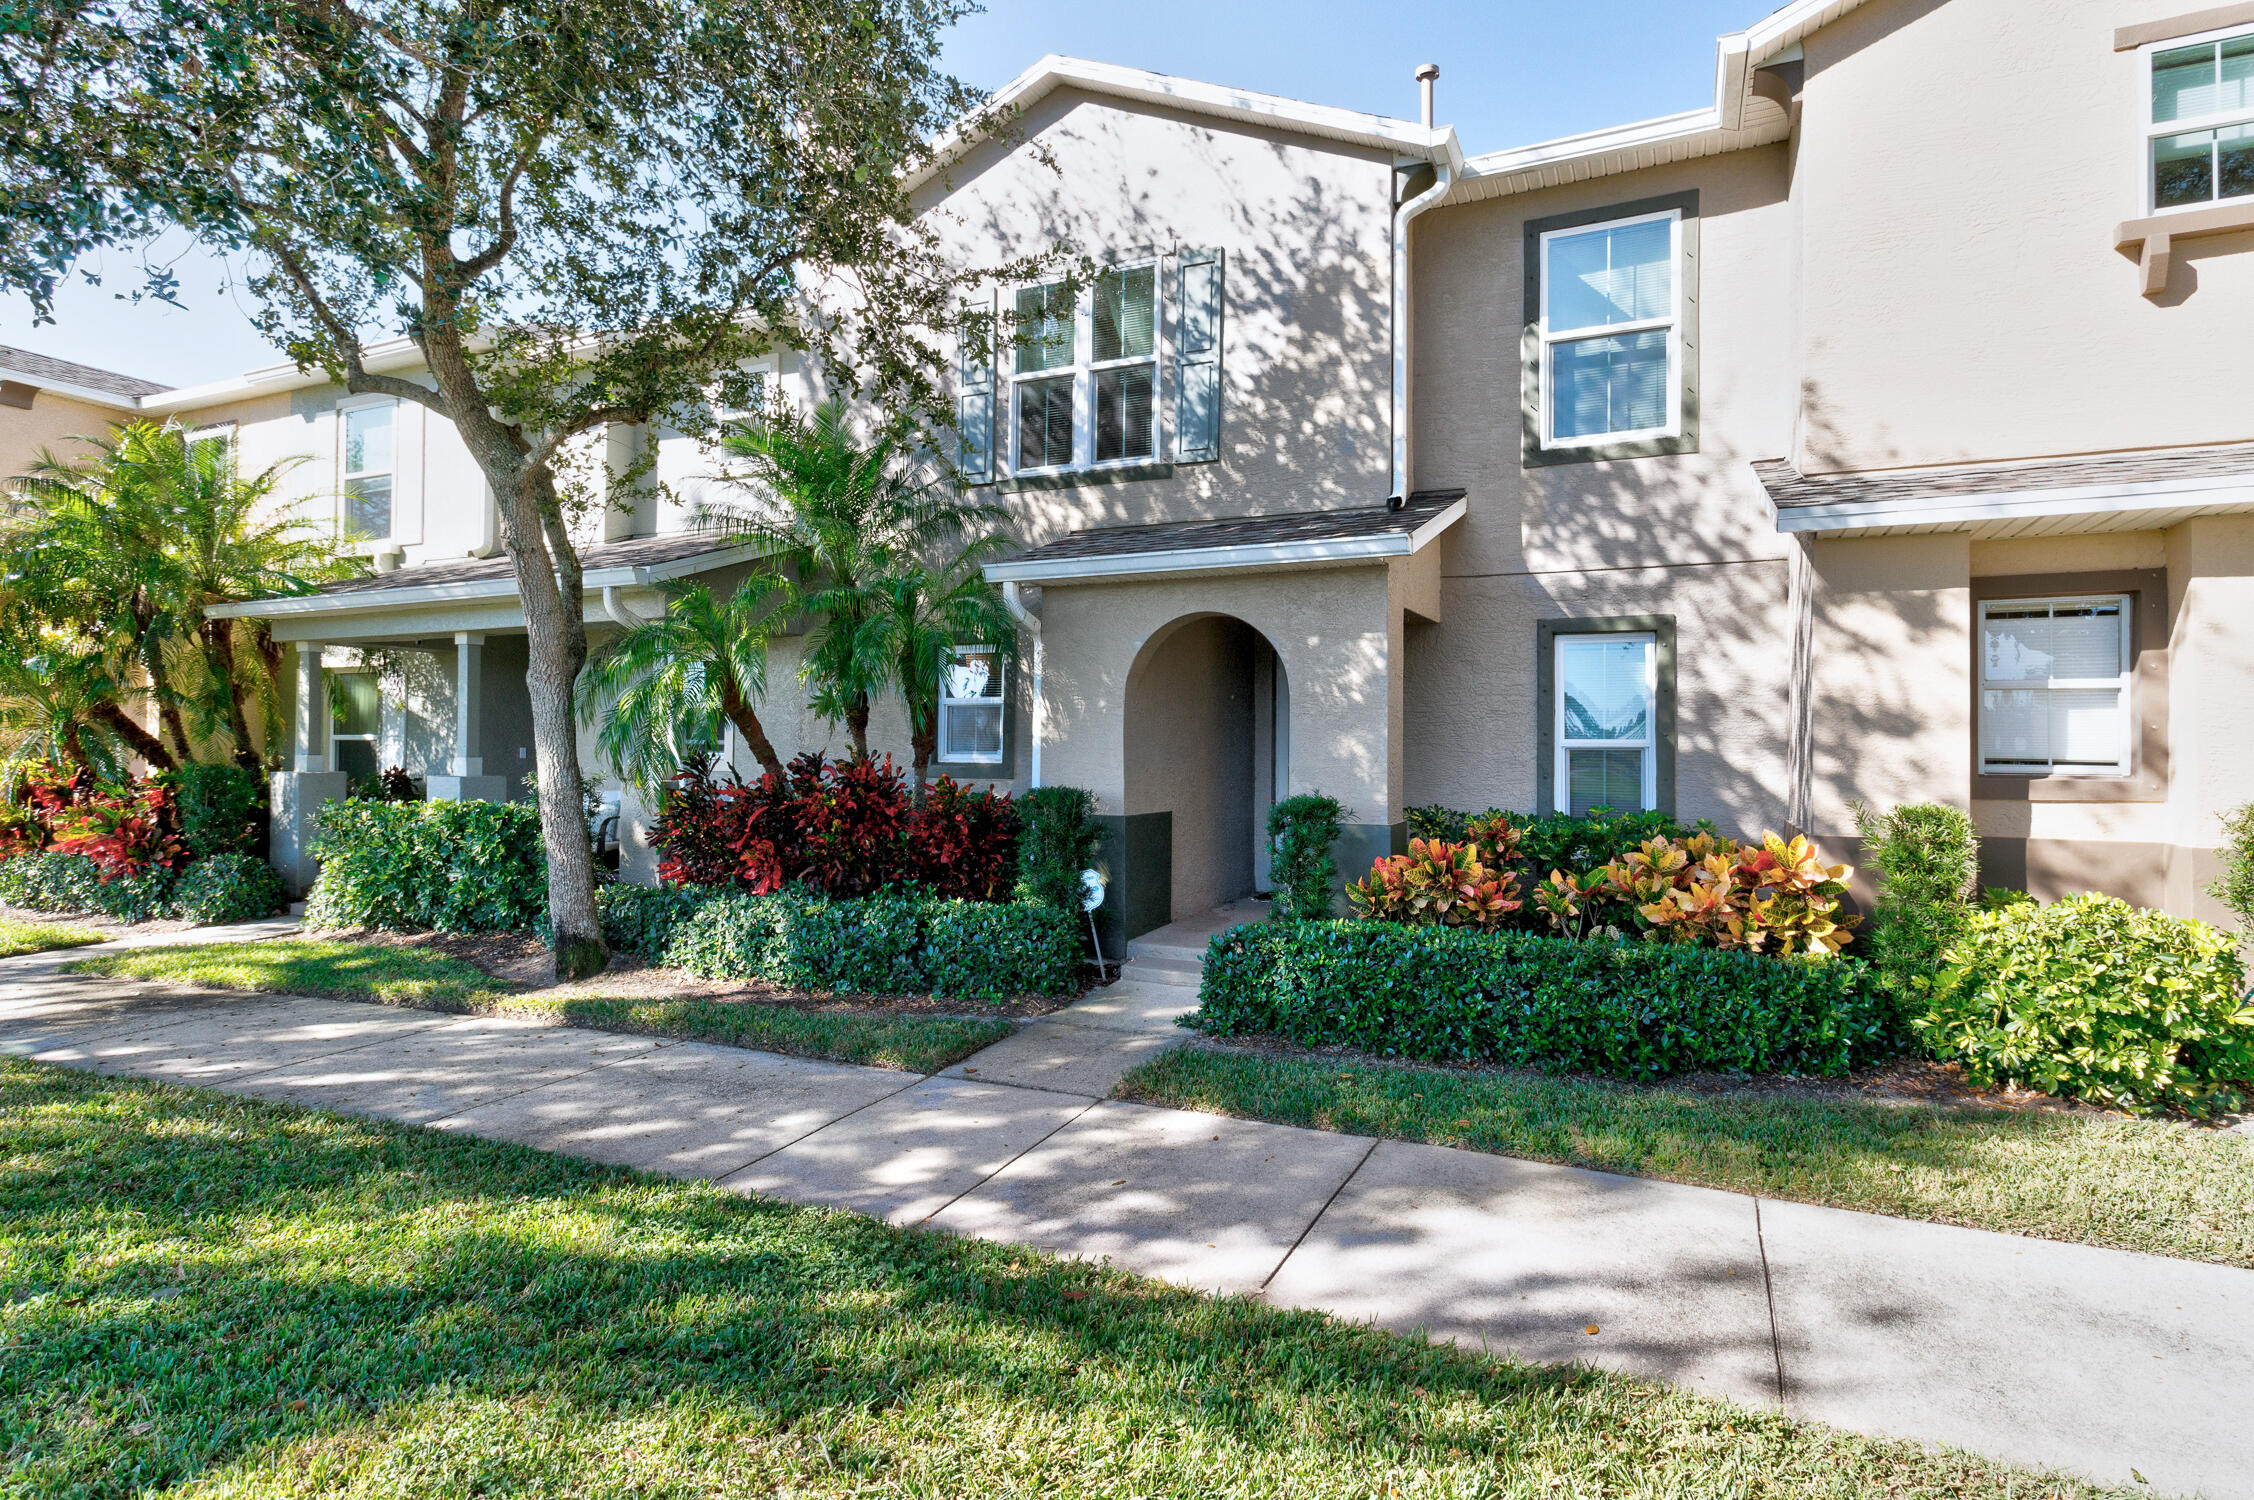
(974,403)
(1197,358)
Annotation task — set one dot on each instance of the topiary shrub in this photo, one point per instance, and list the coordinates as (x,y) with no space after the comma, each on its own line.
(1622,1009)
(1057,839)
(228,888)
(1301,831)
(430,866)
(2234,888)
(1928,860)
(2092,998)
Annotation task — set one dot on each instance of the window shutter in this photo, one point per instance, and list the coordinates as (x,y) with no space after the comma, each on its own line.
(974,405)
(1197,358)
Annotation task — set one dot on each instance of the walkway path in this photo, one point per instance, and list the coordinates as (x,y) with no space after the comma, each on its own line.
(2113,1364)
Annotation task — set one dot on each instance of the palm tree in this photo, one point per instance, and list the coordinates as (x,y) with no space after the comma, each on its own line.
(129,546)
(663,688)
(905,639)
(843,513)
(59,704)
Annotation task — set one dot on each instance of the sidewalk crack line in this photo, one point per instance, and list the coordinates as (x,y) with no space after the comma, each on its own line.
(1769,1290)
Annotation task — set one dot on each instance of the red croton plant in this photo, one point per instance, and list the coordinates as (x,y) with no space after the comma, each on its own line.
(124,830)
(843,829)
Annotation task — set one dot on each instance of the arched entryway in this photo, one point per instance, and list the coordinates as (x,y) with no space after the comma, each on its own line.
(1207,750)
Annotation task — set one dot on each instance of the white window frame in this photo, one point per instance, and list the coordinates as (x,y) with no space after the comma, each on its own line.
(374,740)
(769,371)
(1000,701)
(1561,778)
(345,475)
(1673,324)
(1082,372)
(2122,683)
(2151,133)
(222,433)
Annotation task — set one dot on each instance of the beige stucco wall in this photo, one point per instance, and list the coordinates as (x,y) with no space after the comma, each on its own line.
(1961,169)
(51,423)
(1188,752)
(1305,227)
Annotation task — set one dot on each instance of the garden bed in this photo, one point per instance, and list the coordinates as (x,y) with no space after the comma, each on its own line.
(1908,1139)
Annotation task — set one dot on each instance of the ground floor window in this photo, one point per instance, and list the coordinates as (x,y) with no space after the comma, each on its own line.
(2054,686)
(971,706)
(1607,704)
(359,723)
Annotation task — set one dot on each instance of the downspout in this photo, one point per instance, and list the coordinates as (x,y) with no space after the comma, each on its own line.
(616,608)
(1032,624)
(1444,162)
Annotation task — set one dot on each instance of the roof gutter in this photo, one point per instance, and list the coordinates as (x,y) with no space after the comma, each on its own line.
(1447,157)
(1238,557)
(597,580)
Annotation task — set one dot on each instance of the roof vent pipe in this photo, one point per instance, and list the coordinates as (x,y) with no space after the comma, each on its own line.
(1426,73)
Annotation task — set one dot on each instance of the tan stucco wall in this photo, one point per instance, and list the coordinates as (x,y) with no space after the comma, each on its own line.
(1961,168)
(1188,752)
(51,423)
(1305,227)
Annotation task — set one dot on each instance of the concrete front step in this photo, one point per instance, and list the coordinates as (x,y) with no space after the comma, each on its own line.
(1174,953)
(1164,971)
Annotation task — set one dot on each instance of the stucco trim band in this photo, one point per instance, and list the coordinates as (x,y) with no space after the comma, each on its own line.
(2129,38)
(1230,559)
(2213,493)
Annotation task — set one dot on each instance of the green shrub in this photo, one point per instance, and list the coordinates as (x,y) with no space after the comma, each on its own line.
(219,807)
(1928,860)
(1554,840)
(1625,1010)
(2092,998)
(430,866)
(2234,888)
(228,888)
(1057,839)
(1301,870)
(73,883)
(889,944)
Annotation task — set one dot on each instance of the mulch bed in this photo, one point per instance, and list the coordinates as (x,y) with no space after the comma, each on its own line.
(524,963)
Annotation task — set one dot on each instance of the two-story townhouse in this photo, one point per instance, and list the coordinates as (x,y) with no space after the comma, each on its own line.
(1875,432)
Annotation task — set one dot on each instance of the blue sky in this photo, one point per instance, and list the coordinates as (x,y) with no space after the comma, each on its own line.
(1512,71)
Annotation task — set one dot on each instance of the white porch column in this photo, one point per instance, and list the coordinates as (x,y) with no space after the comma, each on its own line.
(296,795)
(465,779)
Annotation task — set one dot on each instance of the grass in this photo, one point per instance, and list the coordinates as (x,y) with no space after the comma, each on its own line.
(420,977)
(2129,1184)
(37,937)
(266,1301)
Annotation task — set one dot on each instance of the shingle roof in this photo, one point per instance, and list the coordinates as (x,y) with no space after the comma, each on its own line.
(1790,489)
(634,552)
(1245,531)
(65,372)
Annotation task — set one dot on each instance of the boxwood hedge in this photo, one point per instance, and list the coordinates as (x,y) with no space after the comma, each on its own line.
(430,867)
(888,944)
(1622,1009)
(213,891)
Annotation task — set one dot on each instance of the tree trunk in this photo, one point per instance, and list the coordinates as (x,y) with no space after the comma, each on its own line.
(556,647)
(137,739)
(74,748)
(174,725)
(923,745)
(218,640)
(857,724)
(754,733)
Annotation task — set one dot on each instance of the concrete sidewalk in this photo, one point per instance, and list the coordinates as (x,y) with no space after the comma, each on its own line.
(2108,1363)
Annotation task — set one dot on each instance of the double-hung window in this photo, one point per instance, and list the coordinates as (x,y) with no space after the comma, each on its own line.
(2200,139)
(216,441)
(971,706)
(2055,686)
(359,723)
(1047,344)
(368,471)
(1610,331)
(1123,361)
(1607,730)
(1084,379)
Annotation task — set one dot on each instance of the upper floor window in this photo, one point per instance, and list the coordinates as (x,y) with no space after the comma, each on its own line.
(971,706)
(1123,353)
(2201,136)
(1047,346)
(368,471)
(2054,686)
(1610,331)
(218,441)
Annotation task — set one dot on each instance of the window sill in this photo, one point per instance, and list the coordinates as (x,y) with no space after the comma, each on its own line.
(1072,479)
(2152,239)
(2139,786)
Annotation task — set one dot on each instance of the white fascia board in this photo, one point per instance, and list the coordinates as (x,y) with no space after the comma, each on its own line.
(1228,559)
(390,357)
(1942,512)
(376,600)
(85,393)
(1380,132)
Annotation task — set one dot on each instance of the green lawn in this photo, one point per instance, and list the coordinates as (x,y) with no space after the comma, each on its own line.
(2131,1184)
(420,977)
(264,1301)
(37,937)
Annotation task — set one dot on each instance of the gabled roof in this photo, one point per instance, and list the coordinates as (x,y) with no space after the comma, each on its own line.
(1233,106)
(68,378)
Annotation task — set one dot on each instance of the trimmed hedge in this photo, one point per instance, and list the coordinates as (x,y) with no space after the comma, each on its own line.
(1624,1010)
(430,867)
(889,944)
(2093,998)
(224,888)
(228,888)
